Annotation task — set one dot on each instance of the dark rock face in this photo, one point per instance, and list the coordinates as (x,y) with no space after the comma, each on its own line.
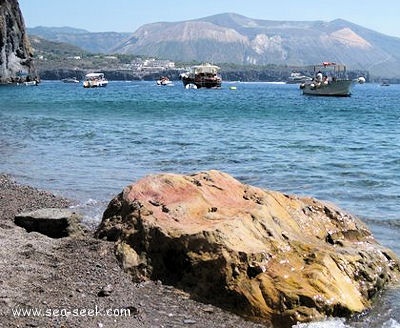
(268,256)
(52,222)
(16,63)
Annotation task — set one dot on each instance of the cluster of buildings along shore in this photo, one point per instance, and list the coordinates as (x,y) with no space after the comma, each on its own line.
(136,64)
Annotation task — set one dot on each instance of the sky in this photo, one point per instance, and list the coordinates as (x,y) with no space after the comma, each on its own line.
(129,15)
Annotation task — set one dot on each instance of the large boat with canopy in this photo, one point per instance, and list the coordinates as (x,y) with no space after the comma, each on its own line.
(202,76)
(95,80)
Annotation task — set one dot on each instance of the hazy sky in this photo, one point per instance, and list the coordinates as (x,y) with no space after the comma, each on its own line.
(128,15)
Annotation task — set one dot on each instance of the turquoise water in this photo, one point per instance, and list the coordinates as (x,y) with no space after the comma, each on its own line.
(87,144)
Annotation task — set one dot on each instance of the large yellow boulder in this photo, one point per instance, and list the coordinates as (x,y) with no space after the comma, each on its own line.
(265,255)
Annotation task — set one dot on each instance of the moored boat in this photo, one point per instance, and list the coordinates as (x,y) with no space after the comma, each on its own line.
(330,79)
(164,80)
(202,76)
(296,77)
(95,80)
(70,80)
(30,83)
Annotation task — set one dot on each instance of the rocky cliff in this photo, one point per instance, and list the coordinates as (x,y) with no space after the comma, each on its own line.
(268,256)
(16,61)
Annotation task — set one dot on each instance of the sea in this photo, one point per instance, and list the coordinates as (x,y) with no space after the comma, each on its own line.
(88,144)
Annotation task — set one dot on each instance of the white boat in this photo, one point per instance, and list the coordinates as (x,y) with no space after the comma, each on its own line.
(165,81)
(330,79)
(95,80)
(70,80)
(31,83)
(24,78)
(296,77)
(202,76)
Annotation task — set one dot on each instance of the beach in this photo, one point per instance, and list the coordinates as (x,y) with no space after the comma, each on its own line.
(77,282)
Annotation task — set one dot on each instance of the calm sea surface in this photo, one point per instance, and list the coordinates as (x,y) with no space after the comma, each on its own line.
(87,144)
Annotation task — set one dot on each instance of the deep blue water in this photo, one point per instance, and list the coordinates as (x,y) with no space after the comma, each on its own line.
(87,144)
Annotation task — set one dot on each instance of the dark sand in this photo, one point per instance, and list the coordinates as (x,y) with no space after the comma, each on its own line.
(74,281)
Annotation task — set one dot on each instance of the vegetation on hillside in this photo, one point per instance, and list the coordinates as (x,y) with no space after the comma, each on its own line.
(58,60)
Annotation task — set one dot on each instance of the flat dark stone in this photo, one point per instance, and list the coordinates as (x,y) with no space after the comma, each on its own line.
(52,222)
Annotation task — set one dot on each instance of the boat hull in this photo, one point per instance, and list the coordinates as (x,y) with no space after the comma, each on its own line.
(91,84)
(70,80)
(297,81)
(164,83)
(30,83)
(339,88)
(214,82)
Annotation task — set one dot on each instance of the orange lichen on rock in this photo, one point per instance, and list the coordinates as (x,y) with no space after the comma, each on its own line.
(263,254)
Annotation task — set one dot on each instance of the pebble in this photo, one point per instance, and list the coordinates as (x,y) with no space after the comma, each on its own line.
(208,309)
(105,291)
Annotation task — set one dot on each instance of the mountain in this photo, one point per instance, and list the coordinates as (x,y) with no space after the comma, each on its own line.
(44,47)
(236,39)
(100,42)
